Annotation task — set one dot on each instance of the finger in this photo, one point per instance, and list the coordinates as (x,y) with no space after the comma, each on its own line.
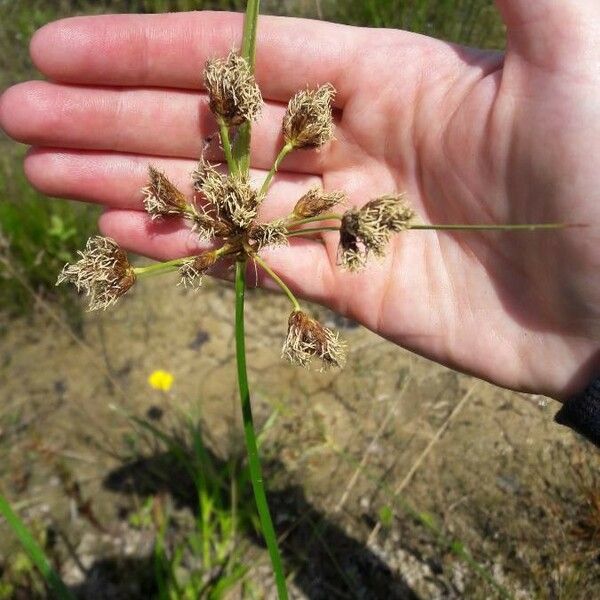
(170,50)
(155,122)
(551,33)
(116,180)
(304,265)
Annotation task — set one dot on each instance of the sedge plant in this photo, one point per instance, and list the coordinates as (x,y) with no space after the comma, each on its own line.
(225,212)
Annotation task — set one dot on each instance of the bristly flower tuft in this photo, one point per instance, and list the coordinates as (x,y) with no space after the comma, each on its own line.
(268,234)
(162,198)
(103,272)
(368,230)
(308,339)
(192,271)
(391,212)
(232,197)
(208,226)
(308,121)
(232,89)
(316,202)
(203,172)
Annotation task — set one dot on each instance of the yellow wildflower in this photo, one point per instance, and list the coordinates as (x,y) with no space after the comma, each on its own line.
(161,380)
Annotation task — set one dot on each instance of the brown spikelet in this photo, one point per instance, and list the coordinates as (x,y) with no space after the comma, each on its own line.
(233,199)
(192,271)
(368,230)
(203,172)
(268,234)
(308,121)
(232,90)
(308,339)
(316,202)
(103,272)
(161,197)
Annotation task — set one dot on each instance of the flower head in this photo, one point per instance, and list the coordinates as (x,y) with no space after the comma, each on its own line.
(203,172)
(391,212)
(308,121)
(316,202)
(232,197)
(103,272)
(268,234)
(161,380)
(161,197)
(308,339)
(232,90)
(192,271)
(369,229)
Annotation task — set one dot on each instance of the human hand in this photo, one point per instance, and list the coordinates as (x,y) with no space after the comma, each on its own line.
(472,136)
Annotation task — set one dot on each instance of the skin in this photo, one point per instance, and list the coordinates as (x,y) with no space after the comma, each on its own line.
(471,136)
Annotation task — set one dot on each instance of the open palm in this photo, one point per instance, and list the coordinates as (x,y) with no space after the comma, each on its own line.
(473,137)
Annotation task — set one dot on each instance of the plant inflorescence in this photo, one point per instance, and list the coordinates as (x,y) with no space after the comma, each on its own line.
(225,213)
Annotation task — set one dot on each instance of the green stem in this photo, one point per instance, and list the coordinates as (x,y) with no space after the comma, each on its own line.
(251,445)
(241,158)
(326,217)
(250,28)
(280,158)
(241,148)
(160,268)
(263,265)
(300,232)
(524,227)
(34,551)
(519,227)
(226,143)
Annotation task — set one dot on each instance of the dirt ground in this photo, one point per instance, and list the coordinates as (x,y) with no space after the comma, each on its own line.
(393,438)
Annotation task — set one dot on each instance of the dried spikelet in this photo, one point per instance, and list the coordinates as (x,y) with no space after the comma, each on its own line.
(103,272)
(192,271)
(203,171)
(316,202)
(233,198)
(391,212)
(207,226)
(308,121)
(161,197)
(351,255)
(368,230)
(268,234)
(308,339)
(232,89)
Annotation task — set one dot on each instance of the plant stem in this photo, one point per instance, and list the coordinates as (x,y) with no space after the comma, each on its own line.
(226,143)
(280,157)
(309,230)
(327,217)
(241,148)
(172,265)
(452,227)
(160,268)
(241,157)
(250,27)
(513,227)
(251,445)
(257,259)
(35,553)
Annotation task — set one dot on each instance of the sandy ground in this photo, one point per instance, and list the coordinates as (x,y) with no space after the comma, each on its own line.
(487,465)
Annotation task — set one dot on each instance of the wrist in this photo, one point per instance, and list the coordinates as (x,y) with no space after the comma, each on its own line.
(581,412)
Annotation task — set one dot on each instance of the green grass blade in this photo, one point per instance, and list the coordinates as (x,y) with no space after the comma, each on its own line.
(35,553)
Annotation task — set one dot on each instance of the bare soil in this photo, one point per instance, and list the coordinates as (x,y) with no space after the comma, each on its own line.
(485,466)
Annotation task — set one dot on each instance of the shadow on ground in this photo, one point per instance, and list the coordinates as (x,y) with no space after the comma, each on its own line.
(327,562)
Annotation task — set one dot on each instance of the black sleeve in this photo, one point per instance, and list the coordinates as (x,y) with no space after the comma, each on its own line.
(582,413)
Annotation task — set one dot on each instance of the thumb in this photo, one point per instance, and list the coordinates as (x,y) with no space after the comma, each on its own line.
(552,33)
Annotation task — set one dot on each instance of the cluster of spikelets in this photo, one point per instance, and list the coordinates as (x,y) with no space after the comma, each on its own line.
(226,207)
